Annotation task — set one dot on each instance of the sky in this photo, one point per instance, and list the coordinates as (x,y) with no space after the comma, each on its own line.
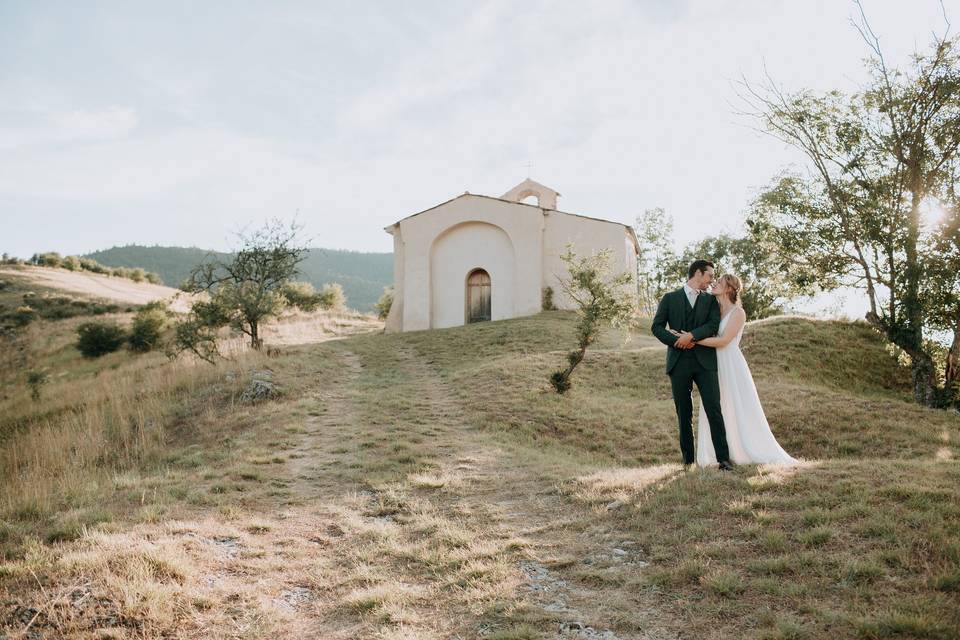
(179,123)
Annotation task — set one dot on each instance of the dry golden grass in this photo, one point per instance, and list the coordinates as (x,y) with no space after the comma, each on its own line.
(428,485)
(101,426)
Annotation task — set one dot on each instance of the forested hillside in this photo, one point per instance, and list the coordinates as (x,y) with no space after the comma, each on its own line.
(362,275)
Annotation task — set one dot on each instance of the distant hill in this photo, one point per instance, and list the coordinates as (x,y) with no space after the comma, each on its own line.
(362,275)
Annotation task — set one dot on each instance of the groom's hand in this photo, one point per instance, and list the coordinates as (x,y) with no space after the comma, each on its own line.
(685,341)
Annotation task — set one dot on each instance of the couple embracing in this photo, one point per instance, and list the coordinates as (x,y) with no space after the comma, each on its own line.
(706,322)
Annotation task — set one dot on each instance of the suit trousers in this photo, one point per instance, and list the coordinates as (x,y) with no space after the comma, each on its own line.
(684,374)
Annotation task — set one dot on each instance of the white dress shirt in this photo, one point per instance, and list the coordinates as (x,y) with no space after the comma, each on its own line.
(691,294)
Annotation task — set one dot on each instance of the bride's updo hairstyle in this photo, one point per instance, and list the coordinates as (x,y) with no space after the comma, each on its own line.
(734,287)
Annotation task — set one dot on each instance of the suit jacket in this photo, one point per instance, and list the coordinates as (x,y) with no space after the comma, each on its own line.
(702,321)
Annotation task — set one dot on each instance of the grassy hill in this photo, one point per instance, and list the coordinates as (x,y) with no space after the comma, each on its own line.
(430,485)
(362,275)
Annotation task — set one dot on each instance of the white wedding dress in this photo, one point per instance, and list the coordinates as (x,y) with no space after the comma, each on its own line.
(748,435)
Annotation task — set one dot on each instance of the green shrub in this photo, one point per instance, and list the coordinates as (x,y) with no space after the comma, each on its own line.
(48,259)
(36,380)
(547,299)
(301,295)
(24,315)
(153,278)
(120,272)
(137,274)
(71,263)
(89,264)
(95,339)
(332,297)
(147,329)
(384,303)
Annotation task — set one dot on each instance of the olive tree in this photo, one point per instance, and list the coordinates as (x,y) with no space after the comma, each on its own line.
(244,287)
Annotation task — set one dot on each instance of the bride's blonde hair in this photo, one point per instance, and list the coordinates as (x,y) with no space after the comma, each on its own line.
(734,287)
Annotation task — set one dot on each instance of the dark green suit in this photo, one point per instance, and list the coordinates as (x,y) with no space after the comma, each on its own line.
(686,366)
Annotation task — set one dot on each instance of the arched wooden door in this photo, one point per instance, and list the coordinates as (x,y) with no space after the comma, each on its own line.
(478,296)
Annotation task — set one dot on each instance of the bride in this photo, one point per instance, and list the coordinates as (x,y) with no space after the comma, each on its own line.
(748,434)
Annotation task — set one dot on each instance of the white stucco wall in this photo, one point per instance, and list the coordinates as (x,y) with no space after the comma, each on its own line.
(394,320)
(588,236)
(458,251)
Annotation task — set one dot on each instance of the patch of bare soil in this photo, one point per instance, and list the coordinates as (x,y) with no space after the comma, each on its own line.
(101,286)
(311,328)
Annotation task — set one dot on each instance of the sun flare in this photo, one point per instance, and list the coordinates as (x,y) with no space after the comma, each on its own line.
(932,213)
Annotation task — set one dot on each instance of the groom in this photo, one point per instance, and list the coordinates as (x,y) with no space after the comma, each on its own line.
(695,315)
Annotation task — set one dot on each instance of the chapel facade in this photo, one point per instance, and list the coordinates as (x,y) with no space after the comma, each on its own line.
(477,258)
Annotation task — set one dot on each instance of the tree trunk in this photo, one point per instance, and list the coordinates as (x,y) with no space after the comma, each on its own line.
(911,296)
(255,340)
(924,380)
(925,391)
(924,373)
(953,364)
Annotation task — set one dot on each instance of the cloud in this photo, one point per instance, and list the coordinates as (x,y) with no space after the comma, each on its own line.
(359,116)
(49,128)
(113,122)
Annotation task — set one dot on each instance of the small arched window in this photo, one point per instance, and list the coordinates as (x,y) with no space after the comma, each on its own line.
(478,296)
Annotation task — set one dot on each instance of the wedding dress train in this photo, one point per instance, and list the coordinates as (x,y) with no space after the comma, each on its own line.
(748,434)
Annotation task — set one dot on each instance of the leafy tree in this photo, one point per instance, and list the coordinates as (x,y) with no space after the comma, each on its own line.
(755,261)
(384,303)
(877,159)
(95,339)
(655,232)
(758,264)
(601,299)
(244,286)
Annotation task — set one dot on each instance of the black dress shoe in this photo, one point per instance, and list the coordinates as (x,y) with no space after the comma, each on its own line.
(726,466)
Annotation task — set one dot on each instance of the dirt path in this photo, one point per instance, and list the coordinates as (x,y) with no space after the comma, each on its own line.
(475,540)
(567,571)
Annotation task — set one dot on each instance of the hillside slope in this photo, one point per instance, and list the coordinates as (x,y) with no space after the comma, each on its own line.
(92,285)
(362,275)
(430,485)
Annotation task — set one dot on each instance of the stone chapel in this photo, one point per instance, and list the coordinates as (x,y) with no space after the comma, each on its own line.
(476,258)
